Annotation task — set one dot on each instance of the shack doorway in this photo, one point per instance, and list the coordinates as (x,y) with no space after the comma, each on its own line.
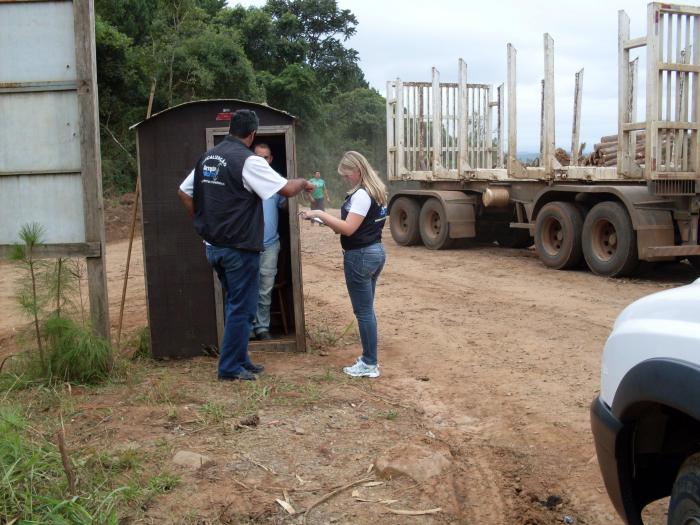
(282,315)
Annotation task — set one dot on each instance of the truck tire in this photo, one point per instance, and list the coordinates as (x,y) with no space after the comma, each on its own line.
(403,221)
(434,228)
(558,235)
(609,240)
(508,237)
(684,507)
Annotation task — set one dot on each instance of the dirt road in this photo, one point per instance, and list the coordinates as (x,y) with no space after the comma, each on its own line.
(498,355)
(512,351)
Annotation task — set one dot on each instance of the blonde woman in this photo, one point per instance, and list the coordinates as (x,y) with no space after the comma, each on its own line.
(362,218)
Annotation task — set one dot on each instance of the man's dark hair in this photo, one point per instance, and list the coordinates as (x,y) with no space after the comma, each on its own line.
(243,123)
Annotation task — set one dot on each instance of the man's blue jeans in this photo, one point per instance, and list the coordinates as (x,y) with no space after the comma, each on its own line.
(238,273)
(362,268)
(268,271)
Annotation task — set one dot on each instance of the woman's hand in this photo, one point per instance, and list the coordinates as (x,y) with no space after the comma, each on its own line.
(308,214)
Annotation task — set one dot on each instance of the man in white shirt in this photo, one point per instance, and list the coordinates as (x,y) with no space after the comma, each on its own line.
(224,195)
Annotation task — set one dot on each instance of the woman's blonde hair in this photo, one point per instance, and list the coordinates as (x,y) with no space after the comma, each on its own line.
(369,180)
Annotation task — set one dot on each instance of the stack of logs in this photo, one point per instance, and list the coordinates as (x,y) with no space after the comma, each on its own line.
(605,152)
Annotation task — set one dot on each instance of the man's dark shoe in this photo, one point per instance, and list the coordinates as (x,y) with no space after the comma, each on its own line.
(243,375)
(256,369)
(263,336)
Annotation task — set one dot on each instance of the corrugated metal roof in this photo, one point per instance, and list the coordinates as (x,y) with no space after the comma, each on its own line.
(224,100)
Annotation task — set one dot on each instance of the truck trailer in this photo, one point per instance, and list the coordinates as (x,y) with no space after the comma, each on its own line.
(452,176)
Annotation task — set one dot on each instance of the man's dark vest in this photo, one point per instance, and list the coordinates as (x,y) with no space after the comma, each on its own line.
(225,213)
(370,231)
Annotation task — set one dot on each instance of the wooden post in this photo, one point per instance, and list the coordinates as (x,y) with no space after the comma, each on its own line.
(390,137)
(576,125)
(488,141)
(652,92)
(84,24)
(632,100)
(548,152)
(623,92)
(499,157)
(399,130)
(512,110)
(134,210)
(542,117)
(437,122)
(463,117)
(695,98)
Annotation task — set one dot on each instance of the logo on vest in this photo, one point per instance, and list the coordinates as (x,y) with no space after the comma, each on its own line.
(211,166)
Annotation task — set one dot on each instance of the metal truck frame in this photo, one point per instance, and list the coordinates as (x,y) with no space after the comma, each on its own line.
(450,180)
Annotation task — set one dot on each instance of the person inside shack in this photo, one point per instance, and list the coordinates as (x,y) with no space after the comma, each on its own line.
(223,194)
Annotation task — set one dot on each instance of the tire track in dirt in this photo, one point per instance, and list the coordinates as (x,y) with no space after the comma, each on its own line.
(512,353)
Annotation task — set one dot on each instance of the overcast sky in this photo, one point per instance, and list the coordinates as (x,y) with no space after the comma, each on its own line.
(406,38)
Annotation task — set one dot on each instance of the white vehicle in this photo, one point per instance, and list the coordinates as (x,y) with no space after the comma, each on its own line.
(646,420)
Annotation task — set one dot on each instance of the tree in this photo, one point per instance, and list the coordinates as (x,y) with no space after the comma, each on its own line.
(321,28)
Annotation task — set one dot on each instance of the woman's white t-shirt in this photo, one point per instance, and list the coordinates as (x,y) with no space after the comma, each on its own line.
(360,202)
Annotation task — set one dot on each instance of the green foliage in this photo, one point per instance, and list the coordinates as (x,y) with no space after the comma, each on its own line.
(290,54)
(33,486)
(141,344)
(163,483)
(295,89)
(62,349)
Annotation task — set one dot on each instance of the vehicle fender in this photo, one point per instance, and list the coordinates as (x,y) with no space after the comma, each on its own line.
(460,209)
(670,382)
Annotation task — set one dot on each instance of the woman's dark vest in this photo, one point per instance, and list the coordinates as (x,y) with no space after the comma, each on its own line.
(370,231)
(225,213)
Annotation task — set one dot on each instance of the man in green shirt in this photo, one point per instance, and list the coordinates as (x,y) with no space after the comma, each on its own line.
(320,192)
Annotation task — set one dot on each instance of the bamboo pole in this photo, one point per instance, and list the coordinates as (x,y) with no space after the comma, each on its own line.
(134,210)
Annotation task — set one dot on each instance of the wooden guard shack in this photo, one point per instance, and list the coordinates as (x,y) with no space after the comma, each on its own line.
(185,306)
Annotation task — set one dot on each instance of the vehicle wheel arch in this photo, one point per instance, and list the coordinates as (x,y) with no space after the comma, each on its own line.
(662,422)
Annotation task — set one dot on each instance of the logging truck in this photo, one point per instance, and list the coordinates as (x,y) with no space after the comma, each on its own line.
(636,198)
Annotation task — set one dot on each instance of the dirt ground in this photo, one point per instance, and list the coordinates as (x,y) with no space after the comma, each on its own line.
(486,357)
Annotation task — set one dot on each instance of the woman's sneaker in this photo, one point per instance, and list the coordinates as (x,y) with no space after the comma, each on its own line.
(360,369)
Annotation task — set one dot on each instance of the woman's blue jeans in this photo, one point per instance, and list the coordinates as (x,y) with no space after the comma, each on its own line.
(362,268)
(238,273)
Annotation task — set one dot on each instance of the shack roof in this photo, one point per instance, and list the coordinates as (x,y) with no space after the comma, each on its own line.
(216,100)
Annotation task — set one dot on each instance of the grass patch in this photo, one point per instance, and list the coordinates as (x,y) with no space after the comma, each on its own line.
(33,486)
(391,414)
(322,337)
(139,345)
(213,412)
(163,483)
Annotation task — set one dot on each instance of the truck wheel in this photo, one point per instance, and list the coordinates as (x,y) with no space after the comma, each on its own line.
(403,221)
(434,228)
(558,235)
(508,237)
(684,507)
(609,240)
